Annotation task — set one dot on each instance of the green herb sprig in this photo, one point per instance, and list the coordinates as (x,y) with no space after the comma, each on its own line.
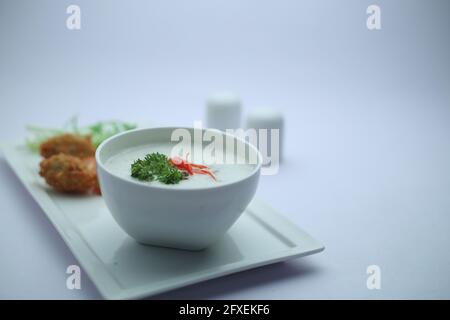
(156,166)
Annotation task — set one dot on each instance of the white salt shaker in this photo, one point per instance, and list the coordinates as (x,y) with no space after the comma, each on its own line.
(223,111)
(270,139)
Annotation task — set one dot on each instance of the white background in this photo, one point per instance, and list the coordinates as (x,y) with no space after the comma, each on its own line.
(367,158)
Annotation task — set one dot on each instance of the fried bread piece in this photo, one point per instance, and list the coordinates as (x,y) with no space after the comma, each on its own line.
(70,174)
(70,144)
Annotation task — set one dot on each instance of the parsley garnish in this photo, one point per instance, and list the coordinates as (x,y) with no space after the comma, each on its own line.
(156,166)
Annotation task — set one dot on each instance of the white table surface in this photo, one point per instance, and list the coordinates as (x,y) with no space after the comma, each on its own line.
(367,157)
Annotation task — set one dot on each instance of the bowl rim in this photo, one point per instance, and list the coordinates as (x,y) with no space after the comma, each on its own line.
(100,164)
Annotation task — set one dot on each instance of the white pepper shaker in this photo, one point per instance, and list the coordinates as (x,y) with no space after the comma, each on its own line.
(269,144)
(223,111)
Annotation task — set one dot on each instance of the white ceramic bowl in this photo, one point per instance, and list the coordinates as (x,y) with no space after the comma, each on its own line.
(179,218)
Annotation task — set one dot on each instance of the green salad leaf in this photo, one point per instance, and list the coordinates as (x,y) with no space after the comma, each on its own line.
(98,132)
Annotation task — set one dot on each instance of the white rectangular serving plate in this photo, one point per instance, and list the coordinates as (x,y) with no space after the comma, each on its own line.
(123,269)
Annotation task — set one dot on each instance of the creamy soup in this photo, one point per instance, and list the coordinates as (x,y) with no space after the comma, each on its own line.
(120,164)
